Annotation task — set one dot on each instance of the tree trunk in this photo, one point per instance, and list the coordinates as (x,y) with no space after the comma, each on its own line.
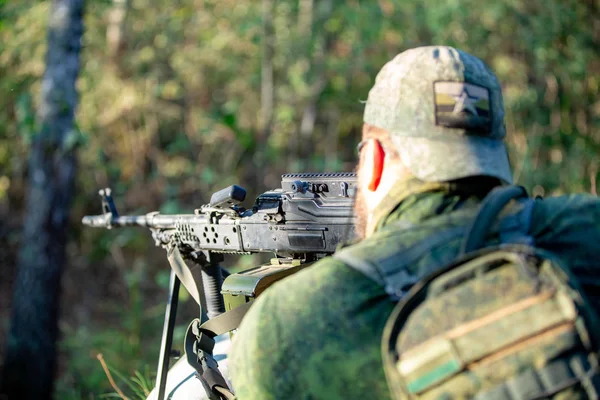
(30,357)
(267,91)
(305,17)
(317,80)
(115,32)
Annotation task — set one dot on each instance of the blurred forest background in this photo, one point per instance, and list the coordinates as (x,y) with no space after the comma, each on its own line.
(181,98)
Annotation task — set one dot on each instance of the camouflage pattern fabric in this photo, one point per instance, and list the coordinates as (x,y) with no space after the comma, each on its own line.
(317,334)
(509,324)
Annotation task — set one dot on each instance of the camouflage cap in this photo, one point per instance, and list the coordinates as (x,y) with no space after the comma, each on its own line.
(443,109)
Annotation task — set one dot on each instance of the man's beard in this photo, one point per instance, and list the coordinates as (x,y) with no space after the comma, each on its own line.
(360,210)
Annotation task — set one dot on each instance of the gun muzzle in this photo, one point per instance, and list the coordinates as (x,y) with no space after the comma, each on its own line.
(97,221)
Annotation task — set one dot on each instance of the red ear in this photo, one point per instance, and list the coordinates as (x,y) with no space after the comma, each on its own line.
(378,156)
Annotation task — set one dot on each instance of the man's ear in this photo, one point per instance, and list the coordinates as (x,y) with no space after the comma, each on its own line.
(373,167)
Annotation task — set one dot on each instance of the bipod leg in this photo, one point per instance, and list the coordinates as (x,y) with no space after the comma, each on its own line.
(167,336)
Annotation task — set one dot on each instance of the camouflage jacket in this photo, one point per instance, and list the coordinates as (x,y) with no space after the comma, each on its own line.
(317,334)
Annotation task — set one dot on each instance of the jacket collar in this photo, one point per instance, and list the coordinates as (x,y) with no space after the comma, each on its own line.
(415,201)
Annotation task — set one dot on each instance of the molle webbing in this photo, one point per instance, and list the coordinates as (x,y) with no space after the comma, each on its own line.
(547,381)
(537,321)
(494,325)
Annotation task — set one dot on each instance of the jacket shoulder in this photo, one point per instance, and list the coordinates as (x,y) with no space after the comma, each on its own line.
(284,331)
(566,213)
(399,255)
(569,226)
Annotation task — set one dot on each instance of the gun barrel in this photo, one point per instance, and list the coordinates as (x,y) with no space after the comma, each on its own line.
(107,221)
(146,221)
(151,220)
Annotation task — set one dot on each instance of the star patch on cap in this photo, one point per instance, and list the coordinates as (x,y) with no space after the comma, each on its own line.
(462,105)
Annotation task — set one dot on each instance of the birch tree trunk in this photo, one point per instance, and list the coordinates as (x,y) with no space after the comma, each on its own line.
(30,357)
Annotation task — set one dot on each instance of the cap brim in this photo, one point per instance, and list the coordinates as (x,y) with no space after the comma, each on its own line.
(437,160)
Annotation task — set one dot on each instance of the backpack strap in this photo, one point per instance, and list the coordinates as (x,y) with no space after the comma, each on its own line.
(394,275)
(382,272)
(515,227)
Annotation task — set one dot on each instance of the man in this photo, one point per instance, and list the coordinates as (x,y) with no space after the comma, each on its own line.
(432,149)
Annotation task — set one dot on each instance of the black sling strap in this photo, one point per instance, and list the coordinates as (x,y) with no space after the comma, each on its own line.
(199,344)
(490,208)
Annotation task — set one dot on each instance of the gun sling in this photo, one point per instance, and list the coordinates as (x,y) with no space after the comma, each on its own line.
(225,322)
(199,344)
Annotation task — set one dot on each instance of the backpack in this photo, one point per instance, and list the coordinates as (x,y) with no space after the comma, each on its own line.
(507,322)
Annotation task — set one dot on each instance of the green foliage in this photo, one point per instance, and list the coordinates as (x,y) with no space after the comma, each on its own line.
(138,386)
(128,345)
(186,85)
(174,113)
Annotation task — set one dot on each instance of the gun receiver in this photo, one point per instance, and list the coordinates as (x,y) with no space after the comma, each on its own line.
(309,214)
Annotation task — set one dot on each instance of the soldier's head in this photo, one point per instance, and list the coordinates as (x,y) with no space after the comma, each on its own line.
(434,114)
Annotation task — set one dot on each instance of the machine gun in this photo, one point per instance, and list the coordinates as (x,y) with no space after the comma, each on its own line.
(299,223)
